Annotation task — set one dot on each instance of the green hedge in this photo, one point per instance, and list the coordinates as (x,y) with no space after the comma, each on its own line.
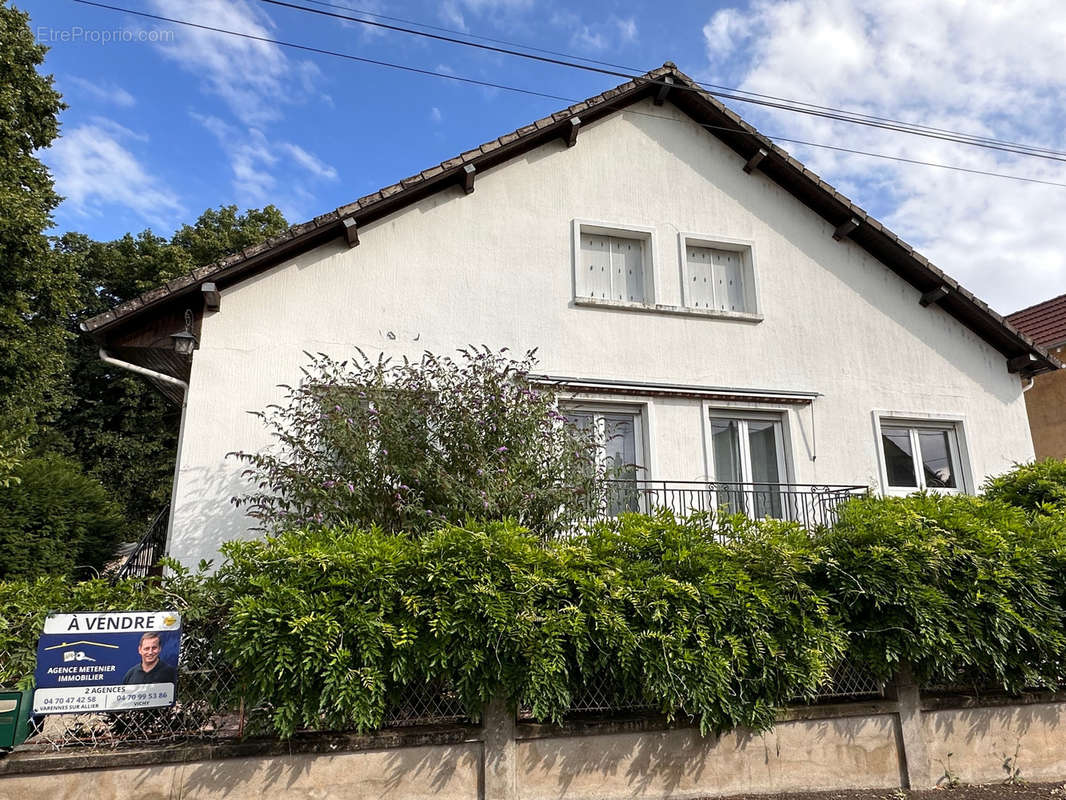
(330,625)
(1038,487)
(957,587)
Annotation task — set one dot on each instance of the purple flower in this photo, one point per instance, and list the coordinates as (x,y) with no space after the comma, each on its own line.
(501,449)
(351,488)
(336,408)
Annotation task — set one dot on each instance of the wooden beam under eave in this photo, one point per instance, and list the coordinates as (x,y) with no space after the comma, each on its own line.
(845,229)
(212,297)
(1021,363)
(467,178)
(933,296)
(570,131)
(664,90)
(351,231)
(755,160)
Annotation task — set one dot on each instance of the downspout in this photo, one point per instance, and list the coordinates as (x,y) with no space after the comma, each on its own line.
(107,358)
(1032,381)
(148,373)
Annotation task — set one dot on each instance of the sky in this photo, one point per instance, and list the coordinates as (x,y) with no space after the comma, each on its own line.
(166,120)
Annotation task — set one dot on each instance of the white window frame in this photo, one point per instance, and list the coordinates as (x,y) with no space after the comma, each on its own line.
(712,411)
(746,249)
(954,424)
(642,233)
(598,410)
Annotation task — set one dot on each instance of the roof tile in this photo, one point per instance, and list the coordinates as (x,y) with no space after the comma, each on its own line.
(1045,322)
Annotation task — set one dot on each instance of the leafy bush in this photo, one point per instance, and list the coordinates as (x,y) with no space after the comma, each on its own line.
(330,625)
(1037,487)
(954,586)
(412,446)
(55,520)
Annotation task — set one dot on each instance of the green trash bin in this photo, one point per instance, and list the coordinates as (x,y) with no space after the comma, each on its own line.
(15,706)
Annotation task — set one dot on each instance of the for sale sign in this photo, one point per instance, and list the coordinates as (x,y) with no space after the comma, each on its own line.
(90,663)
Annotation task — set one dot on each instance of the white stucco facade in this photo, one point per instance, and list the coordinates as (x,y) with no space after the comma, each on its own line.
(497,267)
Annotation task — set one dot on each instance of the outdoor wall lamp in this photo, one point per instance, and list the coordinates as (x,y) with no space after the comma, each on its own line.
(184,341)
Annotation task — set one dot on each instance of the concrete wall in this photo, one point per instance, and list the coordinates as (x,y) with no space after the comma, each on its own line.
(496,267)
(868,745)
(403,774)
(1046,406)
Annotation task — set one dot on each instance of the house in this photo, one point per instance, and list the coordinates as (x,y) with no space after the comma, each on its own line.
(730,315)
(1045,399)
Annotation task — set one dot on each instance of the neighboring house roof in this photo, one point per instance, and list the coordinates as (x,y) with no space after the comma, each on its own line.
(1044,323)
(667,82)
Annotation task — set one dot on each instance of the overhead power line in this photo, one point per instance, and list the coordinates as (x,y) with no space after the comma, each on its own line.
(505,87)
(731,94)
(705,85)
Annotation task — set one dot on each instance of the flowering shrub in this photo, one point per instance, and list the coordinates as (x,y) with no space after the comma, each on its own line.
(413,445)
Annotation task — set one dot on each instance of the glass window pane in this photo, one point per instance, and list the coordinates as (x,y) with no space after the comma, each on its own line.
(899,459)
(762,441)
(725,443)
(621,445)
(936,459)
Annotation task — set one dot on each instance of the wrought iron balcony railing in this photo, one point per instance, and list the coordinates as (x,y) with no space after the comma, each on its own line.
(811,505)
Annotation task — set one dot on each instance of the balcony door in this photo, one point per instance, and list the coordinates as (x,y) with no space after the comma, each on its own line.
(748,461)
(619,452)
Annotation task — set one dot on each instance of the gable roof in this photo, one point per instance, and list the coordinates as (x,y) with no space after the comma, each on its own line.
(1044,323)
(667,82)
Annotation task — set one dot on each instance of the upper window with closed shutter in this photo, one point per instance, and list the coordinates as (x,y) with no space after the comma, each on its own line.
(611,267)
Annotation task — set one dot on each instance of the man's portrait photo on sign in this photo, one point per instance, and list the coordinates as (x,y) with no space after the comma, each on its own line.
(153,666)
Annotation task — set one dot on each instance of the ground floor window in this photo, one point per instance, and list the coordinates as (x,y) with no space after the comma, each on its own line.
(619,437)
(918,455)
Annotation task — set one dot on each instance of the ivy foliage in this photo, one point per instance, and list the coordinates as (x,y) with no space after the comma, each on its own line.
(956,587)
(328,626)
(415,445)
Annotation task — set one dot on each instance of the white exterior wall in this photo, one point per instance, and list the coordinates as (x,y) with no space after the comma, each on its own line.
(496,268)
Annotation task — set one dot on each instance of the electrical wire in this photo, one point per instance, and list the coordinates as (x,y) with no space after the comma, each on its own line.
(787,105)
(488,84)
(706,85)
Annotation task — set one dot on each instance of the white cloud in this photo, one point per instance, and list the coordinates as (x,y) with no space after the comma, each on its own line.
(257,162)
(103,92)
(454,12)
(968,66)
(627,29)
(435,115)
(309,162)
(254,78)
(94,171)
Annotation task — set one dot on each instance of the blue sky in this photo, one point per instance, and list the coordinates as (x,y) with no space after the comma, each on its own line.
(165,121)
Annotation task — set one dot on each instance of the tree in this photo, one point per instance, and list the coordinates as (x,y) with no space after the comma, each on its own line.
(56,521)
(414,445)
(116,425)
(36,291)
